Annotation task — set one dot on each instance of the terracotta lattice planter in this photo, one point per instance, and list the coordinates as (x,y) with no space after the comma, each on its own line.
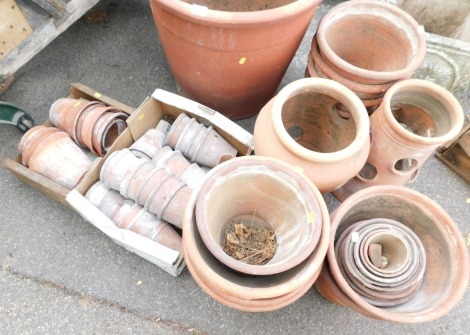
(446,273)
(231,55)
(319,126)
(414,118)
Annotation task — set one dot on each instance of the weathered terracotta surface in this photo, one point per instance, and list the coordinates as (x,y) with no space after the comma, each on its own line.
(148,144)
(260,192)
(55,155)
(106,200)
(249,293)
(371,42)
(327,145)
(431,115)
(231,55)
(447,262)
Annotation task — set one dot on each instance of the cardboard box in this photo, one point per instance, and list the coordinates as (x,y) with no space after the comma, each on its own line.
(161,104)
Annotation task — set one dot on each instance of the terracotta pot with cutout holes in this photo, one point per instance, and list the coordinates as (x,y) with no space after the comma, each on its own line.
(415,118)
(318,126)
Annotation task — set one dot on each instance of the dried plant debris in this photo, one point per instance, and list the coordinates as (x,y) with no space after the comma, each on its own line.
(249,244)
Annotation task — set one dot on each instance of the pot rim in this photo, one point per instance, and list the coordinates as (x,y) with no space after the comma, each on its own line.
(412,196)
(336,90)
(447,99)
(217,18)
(382,76)
(313,261)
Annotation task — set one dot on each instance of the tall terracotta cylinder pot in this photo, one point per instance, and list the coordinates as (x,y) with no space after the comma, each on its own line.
(447,268)
(371,42)
(231,55)
(307,125)
(415,117)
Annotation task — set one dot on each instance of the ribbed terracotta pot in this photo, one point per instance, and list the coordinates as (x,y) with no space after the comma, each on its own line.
(447,262)
(371,42)
(415,118)
(54,155)
(231,56)
(252,293)
(306,126)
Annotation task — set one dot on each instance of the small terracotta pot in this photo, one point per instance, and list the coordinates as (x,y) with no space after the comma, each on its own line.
(106,200)
(237,70)
(447,262)
(173,161)
(107,129)
(117,167)
(305,127)
(148,144)
(431,115)
(371,42)
(193,176)
(157,177)
(56,157)
(200,144)
(141,222)
(130,187)
(249,293)
(265,193)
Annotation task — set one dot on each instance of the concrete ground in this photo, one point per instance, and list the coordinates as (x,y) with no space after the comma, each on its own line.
(60,275)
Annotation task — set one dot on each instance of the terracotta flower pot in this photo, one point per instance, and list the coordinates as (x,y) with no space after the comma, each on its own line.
(106,200)
(107,129)
(371,42)
(55,156)
(305,126)
(447,262)
(231,56)
(148,144)
(200,144)
(31,140)
(117,167)
(173,161)
(264,193)
(250,293)
(414,118)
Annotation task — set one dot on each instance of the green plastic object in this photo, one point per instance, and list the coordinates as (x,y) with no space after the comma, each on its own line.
(15,116)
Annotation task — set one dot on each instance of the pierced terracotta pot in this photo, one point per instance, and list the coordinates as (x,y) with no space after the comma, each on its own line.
(200,144)
(251,293)
(305,125)
(414,119)
(238,69)
(371,42)
(54,156)
(148,144)
(263,193)
(447,262)
(135,218)
(106,200)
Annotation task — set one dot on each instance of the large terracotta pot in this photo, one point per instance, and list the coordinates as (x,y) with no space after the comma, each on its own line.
(415,118)
(307,126)
(251,293)
(446,273)
(371,42)
(231,55)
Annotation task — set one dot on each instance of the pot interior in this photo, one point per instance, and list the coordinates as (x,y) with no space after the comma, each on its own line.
(260,199)
(441,256)
(370,42)
(240,5)
(318,122)
(421,114)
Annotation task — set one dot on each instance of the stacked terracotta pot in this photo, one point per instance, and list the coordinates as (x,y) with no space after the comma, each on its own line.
(128,215)
(419,272)
(368,46)
(260,192)
(52,153)
(90,124)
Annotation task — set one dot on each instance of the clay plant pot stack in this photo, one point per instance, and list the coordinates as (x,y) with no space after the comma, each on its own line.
(368,46)
(52,153)
(200,144)
(90,124)
(306,126)
(239,68)
(128,215)
(411,231)
(147,146)
(414,118)
(263,193)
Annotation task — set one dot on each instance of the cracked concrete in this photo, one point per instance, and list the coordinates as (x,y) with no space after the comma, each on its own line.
(61,275)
